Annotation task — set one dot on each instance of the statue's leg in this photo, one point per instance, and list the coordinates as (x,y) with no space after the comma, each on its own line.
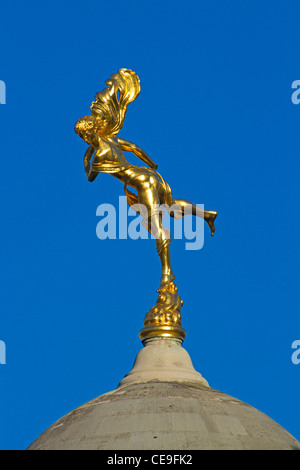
(147,184)
(163,240)
(152,220)
(188,208)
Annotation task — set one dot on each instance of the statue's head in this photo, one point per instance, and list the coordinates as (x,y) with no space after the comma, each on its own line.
(109,107)
(89,127)
(84,127)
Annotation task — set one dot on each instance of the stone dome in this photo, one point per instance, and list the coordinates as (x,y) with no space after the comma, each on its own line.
(164,404)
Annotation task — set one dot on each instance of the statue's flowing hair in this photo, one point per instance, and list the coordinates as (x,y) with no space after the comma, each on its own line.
(110,105)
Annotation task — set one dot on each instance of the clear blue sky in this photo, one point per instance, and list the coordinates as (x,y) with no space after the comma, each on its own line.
(215,112)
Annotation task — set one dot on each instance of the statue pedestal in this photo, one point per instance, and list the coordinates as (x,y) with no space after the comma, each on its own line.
(163,360)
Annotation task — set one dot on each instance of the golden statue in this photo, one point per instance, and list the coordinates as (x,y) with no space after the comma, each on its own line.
(105,155)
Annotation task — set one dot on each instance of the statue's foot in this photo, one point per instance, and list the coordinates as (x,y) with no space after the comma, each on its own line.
(210,219)
(166,279)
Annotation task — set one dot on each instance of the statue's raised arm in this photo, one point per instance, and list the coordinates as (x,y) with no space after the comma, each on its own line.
(130,147)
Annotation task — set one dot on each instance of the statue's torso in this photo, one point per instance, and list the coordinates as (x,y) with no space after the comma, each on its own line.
(109,151)
(109,158)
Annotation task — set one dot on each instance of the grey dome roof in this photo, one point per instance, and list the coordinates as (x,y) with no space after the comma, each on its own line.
(165,416)
(147,412)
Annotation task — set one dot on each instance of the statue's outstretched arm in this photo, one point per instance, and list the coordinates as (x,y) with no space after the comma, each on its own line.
(91,174)
(130,147)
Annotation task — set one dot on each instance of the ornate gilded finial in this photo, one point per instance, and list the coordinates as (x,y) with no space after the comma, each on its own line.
(105,155)
(164,319)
